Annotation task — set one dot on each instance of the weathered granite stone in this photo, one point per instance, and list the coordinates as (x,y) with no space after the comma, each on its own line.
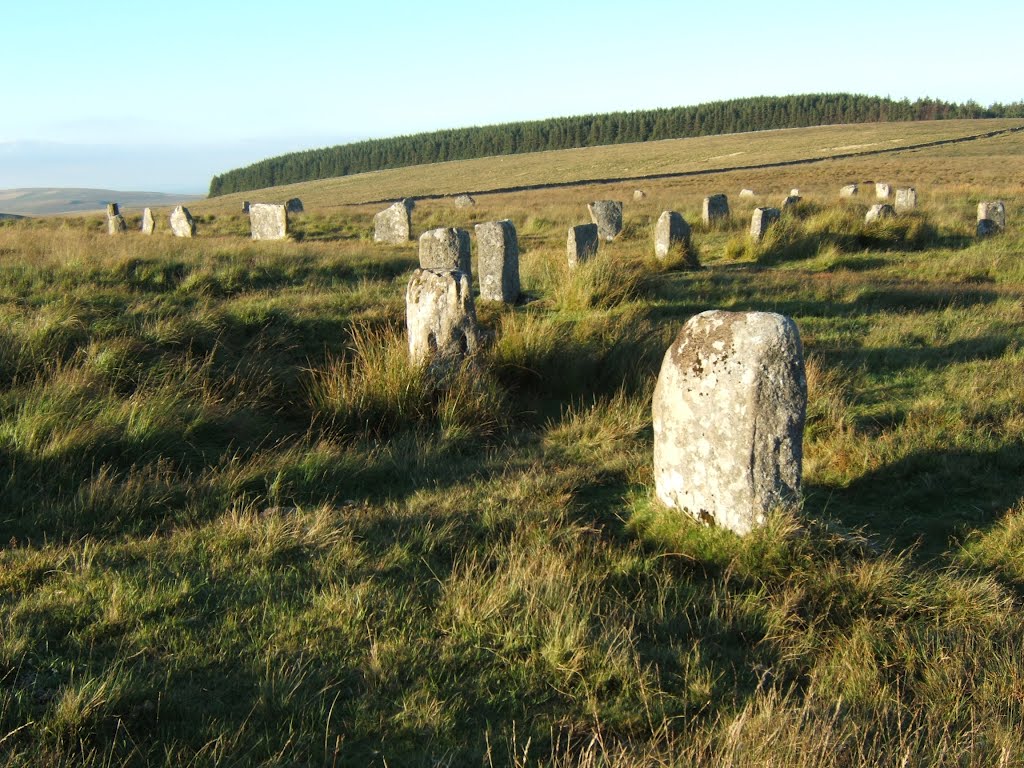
(607,214)
(393,225)
(116,224)
(148,222)
(906,200)
(294,205)
(182,223)
(582,243)
(882,191)
(794,192)
(113,209)
(994,211)
(729,410)
(672,232)
(464,201)
(790,201)
(268,221)
(446,248)
(850,190)
(715,208)
(761,220)
(639,194)
(879,211)
(440,317)
(497,252)
(987,227)
(245,206)
(746,193)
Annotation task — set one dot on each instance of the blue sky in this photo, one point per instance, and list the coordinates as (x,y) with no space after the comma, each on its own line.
(162,96)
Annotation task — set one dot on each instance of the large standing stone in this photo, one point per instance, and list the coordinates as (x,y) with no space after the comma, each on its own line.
(440,316)
(716,208)
(761,220)
(393,225)
(670,232)
(882,191)
(791,201)
(148,222)
(993,211)
(464,201)
(879,211)
(182,223)
(607,214)
(445,248)
(850,190)
(294,205)
(115,221)
(268,221)
(497,249)
(906,200)
(729,411)
(582,243)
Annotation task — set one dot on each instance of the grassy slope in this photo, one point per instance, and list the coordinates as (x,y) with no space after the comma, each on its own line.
(240,530)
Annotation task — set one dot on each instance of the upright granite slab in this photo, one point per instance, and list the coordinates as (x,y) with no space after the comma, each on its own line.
(761,220)
(497,253)
(393,225)
(268,221)
(607,214)
(440,317)
(994,211)
(446,248)
(148,222)
(581,245)
(882,191)
(182,223)
(714,209)
(673,233)
(879,212)
(906,199)
(729,410)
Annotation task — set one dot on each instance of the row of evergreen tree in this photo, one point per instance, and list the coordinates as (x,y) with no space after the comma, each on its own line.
(752,114)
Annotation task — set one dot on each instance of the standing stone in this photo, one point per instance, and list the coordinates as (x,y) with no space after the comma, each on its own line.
(794,192)
(464,201)
(497,249)
(729,411)
(880,211)
(245,206)
(393,225)
(294,205)
(639,194)
(906,200)
(716,208)
(761,220)
(445,248)
(182,223)
(993,211)
(882,191)
(746,193)
(582,243)
(670,232)
(148,222)
(268,221)
(116,224)
(607,214)
(987,227)
(113,209)
(440,317)
(790,201)
(850,190)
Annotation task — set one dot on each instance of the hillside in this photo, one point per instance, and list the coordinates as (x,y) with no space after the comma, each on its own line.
(48,201)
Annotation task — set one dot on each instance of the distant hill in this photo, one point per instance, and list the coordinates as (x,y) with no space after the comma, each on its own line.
(712,119)
(48,201)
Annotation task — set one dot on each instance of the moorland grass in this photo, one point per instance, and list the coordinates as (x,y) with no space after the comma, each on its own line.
(239,528)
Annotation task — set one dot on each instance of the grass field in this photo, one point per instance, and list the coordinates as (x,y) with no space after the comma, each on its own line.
(239,529)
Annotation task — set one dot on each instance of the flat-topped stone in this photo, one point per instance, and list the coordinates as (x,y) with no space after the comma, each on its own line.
(728,411)
(994,211)
(761,219)
(148,222)
(878,212)
(446,248)
(746,193)
(673,233)
(497,249)
(882,191)
(794,192)
(393,225)
(850,190)
(715,208)
(906,199)
(440,317)
(268,221)
(607,214)
(182,223)
(582,243)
